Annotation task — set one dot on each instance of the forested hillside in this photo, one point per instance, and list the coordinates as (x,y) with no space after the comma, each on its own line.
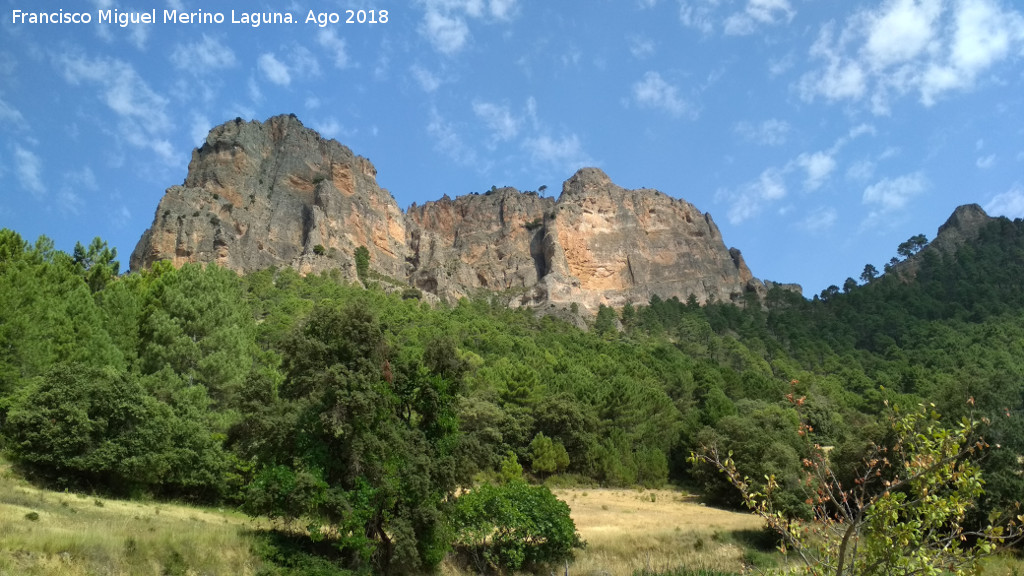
(308,397)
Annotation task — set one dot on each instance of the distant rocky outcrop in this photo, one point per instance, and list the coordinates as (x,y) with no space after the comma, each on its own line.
(962,227)
(277,194)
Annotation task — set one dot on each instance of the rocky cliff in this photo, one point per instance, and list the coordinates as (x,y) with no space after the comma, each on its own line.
(963,226)
(277,194)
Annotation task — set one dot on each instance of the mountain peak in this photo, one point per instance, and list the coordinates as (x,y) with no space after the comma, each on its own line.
(276,193)
(961,226)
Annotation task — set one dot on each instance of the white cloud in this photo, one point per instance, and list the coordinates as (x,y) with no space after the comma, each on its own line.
(447,33)
(698,14)
(986,162)
(564,153)
(502,9)
(771,132)
(448,142)
(426,79)
(750,199)
(69,201)
(29,169)
(818,167)
(446,22)
(641,46)
(328,39)
(901,31)
(274,69)
(820,219)
(11,116)
(758,12)
(928,47)
(144,121)
(894,194)
(121,217)
(206,55)
(654,92)
(1009,203)
(861,170)
(303,62)
(499,119)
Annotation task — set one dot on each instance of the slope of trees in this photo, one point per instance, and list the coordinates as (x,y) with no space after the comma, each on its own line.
(358,414)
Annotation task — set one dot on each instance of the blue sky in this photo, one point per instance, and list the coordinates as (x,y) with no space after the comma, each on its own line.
(819,134)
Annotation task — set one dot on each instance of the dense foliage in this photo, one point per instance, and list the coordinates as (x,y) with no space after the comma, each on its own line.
(358,414)
(511,526)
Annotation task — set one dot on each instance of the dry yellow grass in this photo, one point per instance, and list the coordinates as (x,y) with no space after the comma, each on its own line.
(66,534)
(627,530)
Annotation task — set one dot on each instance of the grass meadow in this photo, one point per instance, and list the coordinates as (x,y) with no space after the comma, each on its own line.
(628,532)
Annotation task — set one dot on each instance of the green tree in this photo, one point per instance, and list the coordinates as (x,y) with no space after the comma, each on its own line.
(869,274)
(912,246)
(197,324)
(605,323)
(97,264)
(904,513)
(513,526)
(547,456)
(367,454)
(362,256)
(88,427)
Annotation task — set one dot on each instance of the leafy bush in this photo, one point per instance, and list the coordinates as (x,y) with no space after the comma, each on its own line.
(82,426)
(512,526)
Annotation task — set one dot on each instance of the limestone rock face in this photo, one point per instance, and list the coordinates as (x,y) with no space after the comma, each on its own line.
(608,245)
(489,242)
(276,194)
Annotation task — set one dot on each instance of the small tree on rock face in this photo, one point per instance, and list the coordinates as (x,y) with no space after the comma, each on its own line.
(904,514)
(362,256)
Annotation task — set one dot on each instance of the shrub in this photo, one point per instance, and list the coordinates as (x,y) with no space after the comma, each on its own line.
(512,526)
(319,250)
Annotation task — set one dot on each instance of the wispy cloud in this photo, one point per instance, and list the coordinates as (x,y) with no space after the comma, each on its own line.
(446,22)
(427,80)
(274,70)
(771,132)
(818,167)
(708,15)
(142,112)
(1009,203)
(820,220)
(498,119)
(29,169)
(328,39)
(69,198)
(11,116)
(891,194)
(756,14)
(641,46)
(751,198)
(986,162)
(564,152)
(654,92)
(204,56)
(448,141)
